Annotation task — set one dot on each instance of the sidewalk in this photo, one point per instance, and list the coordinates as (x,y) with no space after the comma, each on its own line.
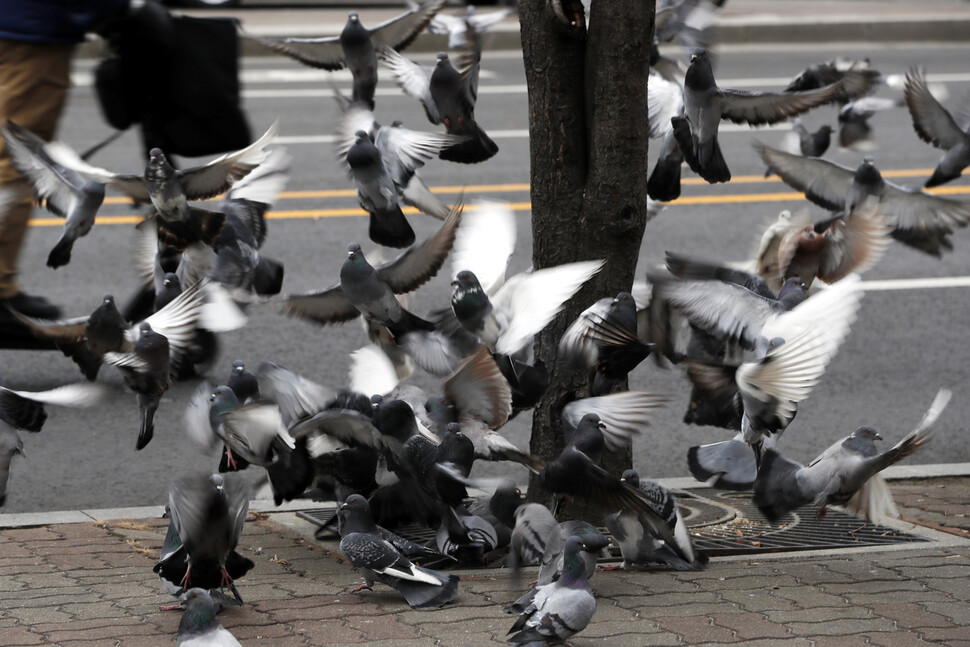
(89,584)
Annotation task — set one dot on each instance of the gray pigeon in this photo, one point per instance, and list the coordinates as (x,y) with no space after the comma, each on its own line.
(920,220)
(206,514)
(377,194)
(457,28)
(845,474)
(370,287)
(561,609)
(854,129)
(665,100)
(168,189)
(61,189)
(935,125)
(383,557)
(448,96)
(639,543)
(706,104)
(146,372)
(198,626)
(355,47)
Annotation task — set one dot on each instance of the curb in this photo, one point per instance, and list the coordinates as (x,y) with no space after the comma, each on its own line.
(30,519)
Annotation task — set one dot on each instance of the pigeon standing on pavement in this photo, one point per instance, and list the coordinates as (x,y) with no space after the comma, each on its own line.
(845,474)
(206,514)
(60,188)
(706,104)
(383,557)
(935,125)
(561,609)
(198,626)
(355,47)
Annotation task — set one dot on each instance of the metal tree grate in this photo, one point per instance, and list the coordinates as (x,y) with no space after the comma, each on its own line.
(722,523)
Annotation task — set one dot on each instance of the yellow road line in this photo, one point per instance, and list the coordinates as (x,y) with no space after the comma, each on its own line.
(291,214)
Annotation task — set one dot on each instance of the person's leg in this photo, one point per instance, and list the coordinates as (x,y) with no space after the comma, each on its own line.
(34,80)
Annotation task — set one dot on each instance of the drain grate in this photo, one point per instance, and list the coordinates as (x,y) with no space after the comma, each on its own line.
(721,523)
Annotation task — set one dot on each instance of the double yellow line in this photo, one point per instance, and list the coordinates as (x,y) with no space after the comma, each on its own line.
(292,214)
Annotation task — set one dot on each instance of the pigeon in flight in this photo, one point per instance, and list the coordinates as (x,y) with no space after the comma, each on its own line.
(935,125)
(384,557)
(356,46)
(206,514)
(919,220)
(801,141)
(706,104)
(456,28)
(854,129)
(61,189)
(845,474)
(199,626)
(665,101)
(824,74)
(560,609)
(448,96)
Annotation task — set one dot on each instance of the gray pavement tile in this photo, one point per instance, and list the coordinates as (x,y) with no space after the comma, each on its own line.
(757,601)
(105,642)
(321,633)
(697,629)
(385,627)
(36,615)
(840,626)
(245,633)
(750,626)
(871,586)
(413,642)
(946,635)
(816,614)
(102,609)
(897,639)
(455,612)
(807,597)
(855,640)
(470,632)
(681,604)
(956,587)
(955,610)
(25,568)
(604,626)
(11,583)
(920,596)
(19,636)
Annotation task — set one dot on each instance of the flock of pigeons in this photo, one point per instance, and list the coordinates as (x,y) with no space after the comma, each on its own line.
(754,343)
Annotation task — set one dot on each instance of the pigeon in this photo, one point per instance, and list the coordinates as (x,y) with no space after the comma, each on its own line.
(935,125)
(24,411)
(456,28)
(206,515)
(244,384)
(854,130)
(355,47)
(169,190)
(61,189)
(800,141)
(448,96)
(794,246)
(665,100)
(198,626)
(146,370)
(705,104)
(533,527)
(919,220)
(402,152)
(821,75)
(639,543)
(384,557)
(560,609)
(551,563)
(604,339)
(374,289)
(845,474)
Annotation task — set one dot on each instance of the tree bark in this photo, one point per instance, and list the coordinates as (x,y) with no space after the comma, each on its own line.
(588,136)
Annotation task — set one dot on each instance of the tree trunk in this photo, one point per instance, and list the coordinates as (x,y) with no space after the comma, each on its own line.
(588,136)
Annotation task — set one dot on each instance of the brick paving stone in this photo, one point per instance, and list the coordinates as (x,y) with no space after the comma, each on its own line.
(107,642)
(697,629)
(97,633)
(383,628)
(750,626)
(327,632)
(807,597)
(910,615)
(36,615)
(128,558)
(865,599)
(872,586)
(840,626)
(600,627)
(252,632)
(757,601)
(312,601)
(11,550)
(897,639)
(19,636)
(9,583)
(86,610)
(157,640)
(24,569)
(323,612)
(945,635)
(413,642)
(167,622)
(82,625)
(856,640)
(469,631)
(684,610)
(817,614)
(935,572)
(87,561)
(954,610)
(41,533)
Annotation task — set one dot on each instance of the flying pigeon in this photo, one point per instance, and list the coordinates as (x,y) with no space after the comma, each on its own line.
(561,609)
(935,125)
(665,100)
(705,105)
(61,189)
(920,220)
(456,28)
(384,557)
(198,626)
(639,543)
(448,96)
(824,74)
(845,474)
(355,47)
(800,141)
(374,288)
(206,514)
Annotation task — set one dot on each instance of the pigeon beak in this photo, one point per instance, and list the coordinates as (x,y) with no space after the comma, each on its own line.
(876,437)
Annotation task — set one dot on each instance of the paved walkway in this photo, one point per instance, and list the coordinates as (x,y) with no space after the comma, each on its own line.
(91,584)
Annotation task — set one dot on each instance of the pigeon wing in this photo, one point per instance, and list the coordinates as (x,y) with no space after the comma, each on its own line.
(421,262)
(414,79)
(55,186)
(325,53)
(825,183)
(201,182)
(758,108)
(479,390)
(399,32)
(933,123)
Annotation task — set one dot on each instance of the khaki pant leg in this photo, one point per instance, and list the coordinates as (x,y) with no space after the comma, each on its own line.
(34,80)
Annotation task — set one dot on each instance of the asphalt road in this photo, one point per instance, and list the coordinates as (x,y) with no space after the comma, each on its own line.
(907,342)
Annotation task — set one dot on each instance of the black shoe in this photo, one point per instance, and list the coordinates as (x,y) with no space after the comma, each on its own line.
(31,306)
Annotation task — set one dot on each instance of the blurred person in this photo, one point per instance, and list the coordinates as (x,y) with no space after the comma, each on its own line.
(37,39)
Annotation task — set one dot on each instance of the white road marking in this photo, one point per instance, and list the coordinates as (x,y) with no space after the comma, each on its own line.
(917,284)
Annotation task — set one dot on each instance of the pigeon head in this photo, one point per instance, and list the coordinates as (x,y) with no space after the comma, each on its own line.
(588,437)
(356,502)
(825,130)
(156,155)
(222,400)
(145,328)
(218,482)
(361,135)
(792,292)
(573,566)
(171,280)
(395,418)
(867,174)
(466,280)
(631,477)
(468,299)
(355,516)
(623,297)
(200,613)
(453,428)
(353,17)
(239,367)
(867,432)
(862,441)
(699,75)
(354,251)
(442,57)
(504,502)
(109,299)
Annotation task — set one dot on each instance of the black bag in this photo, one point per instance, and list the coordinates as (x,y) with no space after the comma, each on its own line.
(179,79)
